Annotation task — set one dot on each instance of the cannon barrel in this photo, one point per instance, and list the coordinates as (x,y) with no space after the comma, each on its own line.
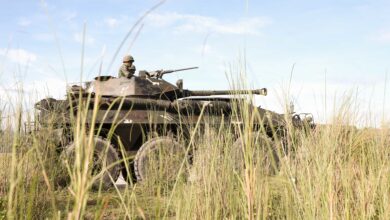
(262,91)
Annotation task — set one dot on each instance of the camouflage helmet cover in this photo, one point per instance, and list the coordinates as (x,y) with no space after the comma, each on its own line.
(128,58)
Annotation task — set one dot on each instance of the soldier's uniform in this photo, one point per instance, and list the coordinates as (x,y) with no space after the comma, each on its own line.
(127,69)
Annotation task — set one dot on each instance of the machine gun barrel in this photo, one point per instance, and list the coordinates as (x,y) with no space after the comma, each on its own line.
(262,91)
(178,70)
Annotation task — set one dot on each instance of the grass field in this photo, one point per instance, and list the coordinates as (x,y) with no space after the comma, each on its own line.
(331,172)
(337,170)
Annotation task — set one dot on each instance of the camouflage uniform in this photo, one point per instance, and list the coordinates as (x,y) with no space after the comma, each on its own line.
(126,70)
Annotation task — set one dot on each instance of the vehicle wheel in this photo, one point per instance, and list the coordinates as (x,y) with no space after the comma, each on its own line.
(129,175)
(159,159)
(260,150)
(104,155)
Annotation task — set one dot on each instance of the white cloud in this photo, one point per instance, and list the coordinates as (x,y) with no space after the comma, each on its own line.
(111,22)
(164,19)
(79,38)
(383,37)
(204,24)
(50,87)
(310,96)
(29,92)
(24,22)
(18,55)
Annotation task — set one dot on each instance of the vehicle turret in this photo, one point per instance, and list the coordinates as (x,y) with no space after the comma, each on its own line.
(149,85)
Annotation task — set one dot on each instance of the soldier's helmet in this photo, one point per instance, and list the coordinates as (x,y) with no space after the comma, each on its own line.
(128,58)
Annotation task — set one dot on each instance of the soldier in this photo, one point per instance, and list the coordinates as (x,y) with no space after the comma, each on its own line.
(127,69)
(132,70)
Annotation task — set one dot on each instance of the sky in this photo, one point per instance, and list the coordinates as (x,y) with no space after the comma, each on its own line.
(317,53)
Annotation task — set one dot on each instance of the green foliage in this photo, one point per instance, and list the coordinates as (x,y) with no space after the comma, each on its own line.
(334,171)
(3,208)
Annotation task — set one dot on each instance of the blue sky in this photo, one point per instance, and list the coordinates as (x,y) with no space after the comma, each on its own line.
(344,44)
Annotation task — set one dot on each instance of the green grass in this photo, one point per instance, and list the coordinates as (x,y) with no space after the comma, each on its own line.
(332,172)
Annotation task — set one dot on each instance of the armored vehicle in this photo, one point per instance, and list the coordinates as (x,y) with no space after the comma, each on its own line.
(139,116)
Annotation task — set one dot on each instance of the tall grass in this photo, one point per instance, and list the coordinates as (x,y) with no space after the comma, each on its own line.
(332,172)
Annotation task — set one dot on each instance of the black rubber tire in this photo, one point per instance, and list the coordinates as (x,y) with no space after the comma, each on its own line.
(111,157)
(169,145)
(129,175)
(260,146)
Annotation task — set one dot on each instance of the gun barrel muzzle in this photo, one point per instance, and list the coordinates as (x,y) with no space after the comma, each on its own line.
(262,91)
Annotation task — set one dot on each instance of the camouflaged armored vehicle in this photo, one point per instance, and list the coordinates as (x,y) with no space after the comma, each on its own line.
(144,115)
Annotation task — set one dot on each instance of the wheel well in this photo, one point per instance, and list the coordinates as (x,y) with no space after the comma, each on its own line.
(133,136)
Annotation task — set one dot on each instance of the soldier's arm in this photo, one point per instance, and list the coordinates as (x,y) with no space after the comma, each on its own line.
(124,72)
(132,71)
